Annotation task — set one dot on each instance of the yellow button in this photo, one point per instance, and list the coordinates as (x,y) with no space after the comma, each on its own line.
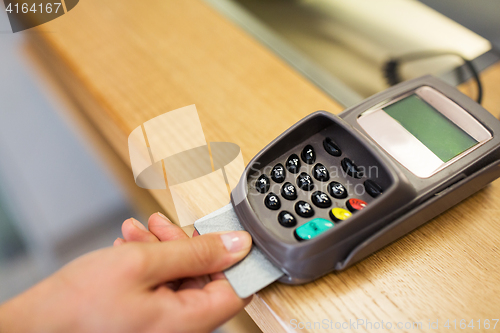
(339,214)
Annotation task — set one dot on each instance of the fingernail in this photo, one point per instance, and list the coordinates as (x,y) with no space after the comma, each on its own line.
(118,241)
(236,241)
(138,224)
(163,217)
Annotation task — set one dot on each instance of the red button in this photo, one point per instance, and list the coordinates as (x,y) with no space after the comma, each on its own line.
(355,204)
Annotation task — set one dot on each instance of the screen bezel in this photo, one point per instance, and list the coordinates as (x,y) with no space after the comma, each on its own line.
(376,125)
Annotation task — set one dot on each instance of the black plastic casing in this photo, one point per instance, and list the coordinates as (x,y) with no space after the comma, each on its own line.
(407,202)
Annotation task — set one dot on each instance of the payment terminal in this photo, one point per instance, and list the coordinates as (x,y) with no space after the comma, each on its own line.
(331,189)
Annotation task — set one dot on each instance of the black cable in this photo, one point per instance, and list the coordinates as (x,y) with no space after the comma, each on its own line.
(392,75)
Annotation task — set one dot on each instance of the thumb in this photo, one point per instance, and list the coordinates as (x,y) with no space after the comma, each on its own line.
(196,256)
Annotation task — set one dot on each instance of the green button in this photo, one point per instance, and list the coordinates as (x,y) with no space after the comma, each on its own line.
(313,228)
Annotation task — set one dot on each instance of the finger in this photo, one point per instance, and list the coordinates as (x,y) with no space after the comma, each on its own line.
(174,285)
(216,303)
(165,230)
(192,257)
(217,276)
(214,276)
(198,282)
(135,231)
(118,241)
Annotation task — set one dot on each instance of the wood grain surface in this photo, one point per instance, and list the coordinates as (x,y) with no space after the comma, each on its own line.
(126,62)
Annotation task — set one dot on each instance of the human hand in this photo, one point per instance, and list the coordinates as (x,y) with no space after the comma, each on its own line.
(161,229)
(143,285)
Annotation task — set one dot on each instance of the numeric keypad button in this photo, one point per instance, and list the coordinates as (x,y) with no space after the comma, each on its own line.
(320,172)
(321,199)
(308,155)
(312,229)
(293,163)
(372,188)
(350,168)
(337,190)
(339,214)
(286,219)
(288,191)
(305,182)
(304,209)
(278,173)
(355,204)
(272,201)
(262,184)
(331,147)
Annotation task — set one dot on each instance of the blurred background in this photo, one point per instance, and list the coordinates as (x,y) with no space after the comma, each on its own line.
(63,192)
(342,46)
(58,199)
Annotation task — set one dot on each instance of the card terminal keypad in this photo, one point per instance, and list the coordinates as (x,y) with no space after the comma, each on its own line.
(308,191)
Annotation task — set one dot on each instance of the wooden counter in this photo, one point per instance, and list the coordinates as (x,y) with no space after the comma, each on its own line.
(126,62)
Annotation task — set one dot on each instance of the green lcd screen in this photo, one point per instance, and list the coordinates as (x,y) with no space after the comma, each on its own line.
(445,139)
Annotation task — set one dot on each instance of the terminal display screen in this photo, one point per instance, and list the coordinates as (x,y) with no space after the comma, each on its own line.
(445,139)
